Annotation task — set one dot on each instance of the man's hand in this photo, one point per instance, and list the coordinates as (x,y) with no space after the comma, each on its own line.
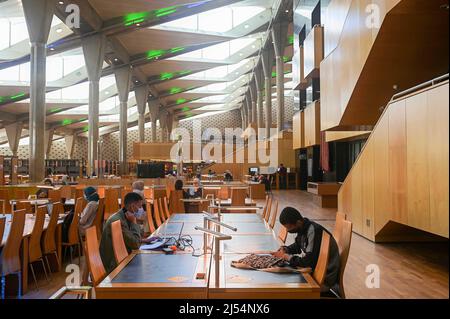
(131,218)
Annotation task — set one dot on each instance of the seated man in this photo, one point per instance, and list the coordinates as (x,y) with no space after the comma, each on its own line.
(304,252)
(196,190)
(130,230)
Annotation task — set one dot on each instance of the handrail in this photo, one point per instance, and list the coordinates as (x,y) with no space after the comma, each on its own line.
(421,86)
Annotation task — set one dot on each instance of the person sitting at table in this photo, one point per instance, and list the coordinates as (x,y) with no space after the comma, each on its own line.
(196,191)
(90,211)
(65,180)
(43,192)
(228,177)
(130,230)
(304,252)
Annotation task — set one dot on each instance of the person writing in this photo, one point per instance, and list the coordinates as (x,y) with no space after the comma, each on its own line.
(130,230)
(304,252)
(43,192)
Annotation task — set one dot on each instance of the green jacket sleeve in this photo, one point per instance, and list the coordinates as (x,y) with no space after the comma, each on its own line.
(131,235)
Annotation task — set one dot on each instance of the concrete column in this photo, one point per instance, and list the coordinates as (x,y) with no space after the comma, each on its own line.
(254,99)
(94,52)
(154,114)
(279,37)
(249,107)
(70,144)
(163,123)
(123,82)
(259,80)
(141,94)
(242,117)
(170,118)
(267,62)
(14,133)
(48,142)
(38,17)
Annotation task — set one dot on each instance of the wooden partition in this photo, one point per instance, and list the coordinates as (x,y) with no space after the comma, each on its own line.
(365,66)
(312,124)
(402,173)
(298,130)
(313,52)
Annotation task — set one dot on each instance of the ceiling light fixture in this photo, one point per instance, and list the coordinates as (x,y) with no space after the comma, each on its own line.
(246,26)
(59,30)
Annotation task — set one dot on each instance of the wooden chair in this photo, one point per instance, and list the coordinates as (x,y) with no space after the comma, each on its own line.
(176,206)
(101,192)
(282,234)
(265,206)
(10,263)
(49,241)
(156,211)
(73,234)
(84,292)
(54,195)
(223,193)
(94,261)
(340,217)
(66,192)
(111,202)
(34,248)
(5,208)
(24,206)
(150,222)
(120,250)
(162,214)
(320,271)
(123,192)
(2,227)
(268,210)
(274,216)
(98,220)
(344,243)
(165,204)
(238,196)
(22,194)
(79,191)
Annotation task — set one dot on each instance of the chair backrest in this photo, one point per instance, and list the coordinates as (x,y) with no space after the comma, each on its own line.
(162,214)
(165,204)
(123,192)
(210,191)
(73,235)
(120,250)
(22,194)
(2,228)
(49,242)
(111,203)
(93,258)
(5,206)
(24,205)
(282,235)
(98,220)
(34,248)
(265,206)
(10,255)
(156,211)
(176,206)
(321,267)
(54,195)
(268,210)
(101,192)
(223,193)
(238,196)
(344,244)
(79,192)
(151,224)
(340,217)
(66,192)
(274,215)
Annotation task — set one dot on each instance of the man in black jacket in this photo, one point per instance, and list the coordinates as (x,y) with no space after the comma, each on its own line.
(304,252)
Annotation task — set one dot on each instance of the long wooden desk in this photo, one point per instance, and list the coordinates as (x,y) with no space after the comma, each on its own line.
(152,274)
(29,223)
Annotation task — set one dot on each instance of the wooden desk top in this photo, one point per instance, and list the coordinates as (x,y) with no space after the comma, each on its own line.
(158,276)
(237,283)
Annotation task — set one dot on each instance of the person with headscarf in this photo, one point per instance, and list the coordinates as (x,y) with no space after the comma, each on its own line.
(43,192)
(90,211)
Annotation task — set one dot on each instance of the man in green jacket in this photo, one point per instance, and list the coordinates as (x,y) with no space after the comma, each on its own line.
(130,230)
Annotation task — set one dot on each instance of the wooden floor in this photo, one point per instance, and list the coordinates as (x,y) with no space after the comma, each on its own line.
(407,270)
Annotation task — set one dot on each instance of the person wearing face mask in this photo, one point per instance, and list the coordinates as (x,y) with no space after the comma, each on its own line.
(304,252)
(90,211)
(130,230)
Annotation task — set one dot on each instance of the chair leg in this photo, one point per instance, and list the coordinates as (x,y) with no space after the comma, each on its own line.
(57,258)
(34,276)
(48,265)
(19,289)
(45,269)
(71,259)
(79,254)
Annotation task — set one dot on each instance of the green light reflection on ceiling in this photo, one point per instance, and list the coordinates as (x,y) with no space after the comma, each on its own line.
(135,17)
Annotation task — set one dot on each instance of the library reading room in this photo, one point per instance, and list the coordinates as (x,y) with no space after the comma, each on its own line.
(265,150)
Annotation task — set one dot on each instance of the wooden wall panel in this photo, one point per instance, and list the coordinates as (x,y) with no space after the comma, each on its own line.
(418,200)
(356,199)
(438,149)
(299,130)
(313,52)
(367,190)
(382,205)
(312,124)
(334,18)
(397,161)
